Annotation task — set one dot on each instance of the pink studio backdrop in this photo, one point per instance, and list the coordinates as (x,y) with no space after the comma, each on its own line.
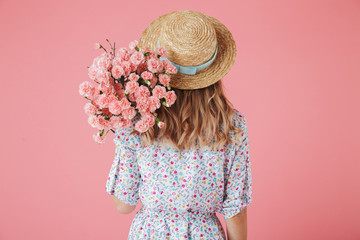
(296,79)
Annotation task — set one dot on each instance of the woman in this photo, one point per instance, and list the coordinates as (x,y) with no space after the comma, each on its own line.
(198,163)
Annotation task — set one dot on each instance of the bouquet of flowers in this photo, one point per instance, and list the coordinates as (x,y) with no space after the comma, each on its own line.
(128,82)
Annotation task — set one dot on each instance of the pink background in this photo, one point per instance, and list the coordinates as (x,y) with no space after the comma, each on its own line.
(296,79)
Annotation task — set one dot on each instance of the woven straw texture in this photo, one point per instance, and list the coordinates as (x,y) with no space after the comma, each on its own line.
(189,38)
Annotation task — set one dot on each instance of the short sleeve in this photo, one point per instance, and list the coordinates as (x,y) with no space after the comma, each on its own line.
(124,177)
(238,181)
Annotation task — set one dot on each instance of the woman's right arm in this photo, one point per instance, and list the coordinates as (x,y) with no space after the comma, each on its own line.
(236,226)
(238,186)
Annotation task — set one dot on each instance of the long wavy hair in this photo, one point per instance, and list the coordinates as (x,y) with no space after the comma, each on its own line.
(199,117)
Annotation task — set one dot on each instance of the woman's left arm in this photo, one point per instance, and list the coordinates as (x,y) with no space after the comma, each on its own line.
(124,178)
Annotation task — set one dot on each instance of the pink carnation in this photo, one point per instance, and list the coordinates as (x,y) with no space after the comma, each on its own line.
(126,122)
(162,52)
(118,86)
(159,91)
(93,121)
(147,75)
(106,112)
(153,81)
(161,124)
(97,45)
(90,109)
(133,44)
(133,77)
(132,97)
(115,108)
(103,101)
(164,79)
(119,90)
(123,53)
(152,55)
(137,58)
(121,93)
(99,139)
(142,91)
(131,86)
(104,123)
(148,118)
(117,61)
(95,94)
(116,122)
(124,103)
(154,103)
(142,104)
(141,126)
(147,49)
(103,75)
(104,61)
(103,87)
(117,71)
(142,67)
(129,113)
(133,67)
(95,101)
(112,98)
(132,51)
(169,67)
(92,72)
(170,97)
(86,89)
(153,65)
(107,89)
(107,82)
(161,66)
(127,67)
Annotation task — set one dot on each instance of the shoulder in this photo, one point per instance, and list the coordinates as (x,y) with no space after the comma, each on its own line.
(238,135)
(239,120)
(124,138)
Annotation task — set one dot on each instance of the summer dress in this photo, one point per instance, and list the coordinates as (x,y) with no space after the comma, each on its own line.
(181,190)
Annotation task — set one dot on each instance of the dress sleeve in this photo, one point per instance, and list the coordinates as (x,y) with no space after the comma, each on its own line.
(124,177)
(238,181)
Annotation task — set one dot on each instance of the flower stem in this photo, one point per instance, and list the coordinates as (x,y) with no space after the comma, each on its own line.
(103,48)
(107,131)
(113,53)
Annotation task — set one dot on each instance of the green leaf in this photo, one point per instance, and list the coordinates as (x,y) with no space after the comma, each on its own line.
(157,120)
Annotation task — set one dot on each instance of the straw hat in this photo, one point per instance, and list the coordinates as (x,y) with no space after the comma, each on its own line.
(200,46)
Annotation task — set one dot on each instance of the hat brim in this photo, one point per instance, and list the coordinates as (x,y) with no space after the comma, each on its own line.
(221,65)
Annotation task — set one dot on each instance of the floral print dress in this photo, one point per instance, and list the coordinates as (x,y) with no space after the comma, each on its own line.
(181,190)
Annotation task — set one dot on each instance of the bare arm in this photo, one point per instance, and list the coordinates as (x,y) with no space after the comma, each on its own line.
(123,207)
(236,227)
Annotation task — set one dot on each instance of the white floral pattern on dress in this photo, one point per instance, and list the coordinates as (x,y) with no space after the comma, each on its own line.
(181,190)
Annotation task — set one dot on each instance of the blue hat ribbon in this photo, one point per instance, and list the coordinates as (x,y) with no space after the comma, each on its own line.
(192,70)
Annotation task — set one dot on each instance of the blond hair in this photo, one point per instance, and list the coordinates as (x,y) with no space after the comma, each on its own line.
(201,117)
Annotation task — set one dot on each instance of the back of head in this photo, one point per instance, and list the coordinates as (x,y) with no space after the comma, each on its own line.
(199,117)
(203,51)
